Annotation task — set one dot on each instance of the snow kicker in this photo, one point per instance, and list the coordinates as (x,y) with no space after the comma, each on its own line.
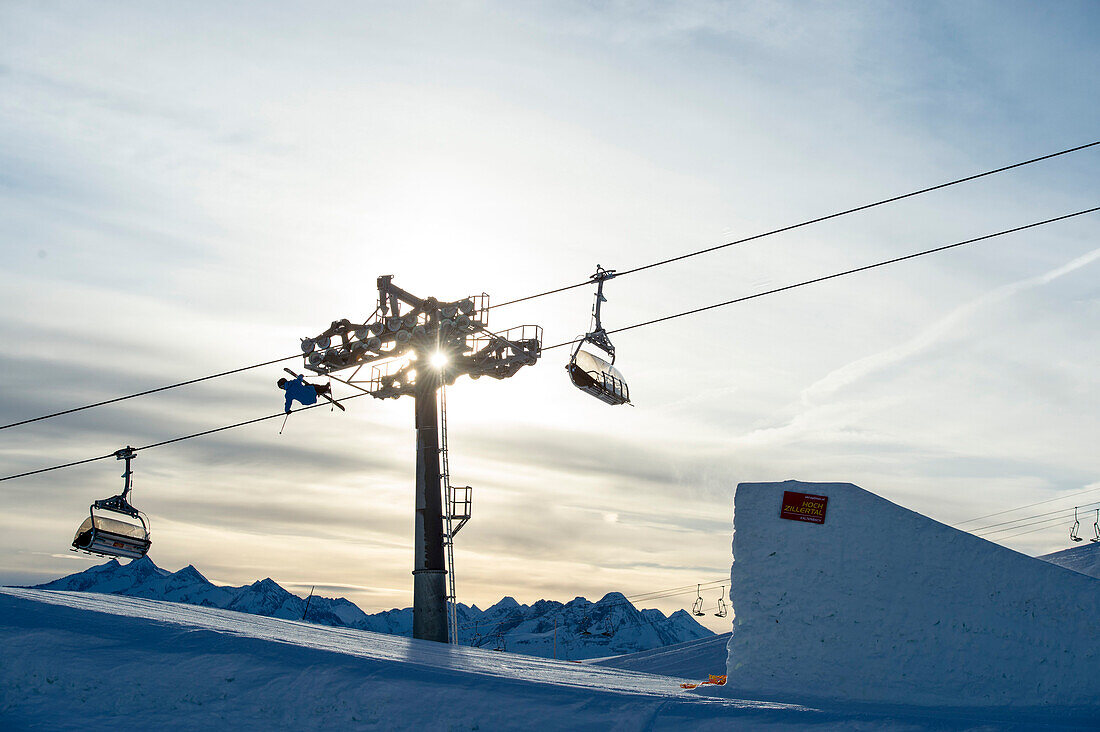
(877,603)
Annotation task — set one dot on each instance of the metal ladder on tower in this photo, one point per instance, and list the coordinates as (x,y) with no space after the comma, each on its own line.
(458,501)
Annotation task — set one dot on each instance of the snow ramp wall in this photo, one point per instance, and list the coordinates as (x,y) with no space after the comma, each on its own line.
(882,604)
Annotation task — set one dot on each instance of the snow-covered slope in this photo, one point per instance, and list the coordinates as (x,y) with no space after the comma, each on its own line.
(574,630)
(695,659)
(83,661)
(1084,559)
(880,603)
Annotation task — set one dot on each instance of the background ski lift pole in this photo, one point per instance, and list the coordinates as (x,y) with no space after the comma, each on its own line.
(306,610)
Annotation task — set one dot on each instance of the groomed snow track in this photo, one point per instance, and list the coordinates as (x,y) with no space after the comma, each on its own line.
(86,661)
(83,661)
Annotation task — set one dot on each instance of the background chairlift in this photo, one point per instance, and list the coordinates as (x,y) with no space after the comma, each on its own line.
(590,373)
(1096,527)
(721,604)
(1076,525)
(697,608)
(109,537)
(608,630)
(587,623)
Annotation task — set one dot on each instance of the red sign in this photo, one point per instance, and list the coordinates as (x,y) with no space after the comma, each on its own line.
(804,507)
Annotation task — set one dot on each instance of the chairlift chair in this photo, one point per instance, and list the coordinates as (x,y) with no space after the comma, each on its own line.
(110,537)
(1096,526)
(1076,525)
(721,604)
(608,631)
(590,373)
(697,608)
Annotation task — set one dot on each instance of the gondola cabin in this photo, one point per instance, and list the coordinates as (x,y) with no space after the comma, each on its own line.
(592,375)
(110,537)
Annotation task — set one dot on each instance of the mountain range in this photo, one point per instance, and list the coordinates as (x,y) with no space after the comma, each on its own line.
(574,630)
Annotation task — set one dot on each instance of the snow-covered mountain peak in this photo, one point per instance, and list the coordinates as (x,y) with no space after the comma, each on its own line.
(144,567)
(612,598)
(505,603)
(581,629)
(191,572)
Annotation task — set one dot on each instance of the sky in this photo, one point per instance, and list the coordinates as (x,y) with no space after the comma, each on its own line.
(186,189)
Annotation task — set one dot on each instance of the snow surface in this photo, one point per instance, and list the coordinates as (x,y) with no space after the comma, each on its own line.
(696,659)
(545,628)
(883,604)
(85,661)
(88,661)
(1084,559)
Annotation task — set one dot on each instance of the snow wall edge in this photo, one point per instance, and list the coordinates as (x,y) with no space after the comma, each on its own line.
(882,604)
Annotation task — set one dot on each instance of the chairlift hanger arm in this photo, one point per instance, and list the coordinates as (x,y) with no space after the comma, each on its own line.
(601,276)
(599,339)
(390,295)
(597,336)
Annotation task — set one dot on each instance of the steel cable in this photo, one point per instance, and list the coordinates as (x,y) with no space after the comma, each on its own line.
(651,265)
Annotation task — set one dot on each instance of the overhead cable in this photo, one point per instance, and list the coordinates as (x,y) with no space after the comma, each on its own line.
(835,275)
(808,222)
(1029,505)
(149,391)
(1015,523)
(1063,517)
(175,439)
(645,323)
(620,274)
(1022,533)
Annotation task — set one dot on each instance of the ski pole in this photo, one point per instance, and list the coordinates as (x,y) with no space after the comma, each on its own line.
(284,422)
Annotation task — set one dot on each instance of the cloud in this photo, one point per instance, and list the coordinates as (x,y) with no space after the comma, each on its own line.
(951,326)
(203,216)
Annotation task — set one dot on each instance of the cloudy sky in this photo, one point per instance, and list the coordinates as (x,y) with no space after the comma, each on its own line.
(189,188)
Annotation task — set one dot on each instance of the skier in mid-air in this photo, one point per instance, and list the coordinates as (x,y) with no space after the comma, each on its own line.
(305,393)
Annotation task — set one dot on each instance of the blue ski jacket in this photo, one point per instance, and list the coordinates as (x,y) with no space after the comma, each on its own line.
(300,390)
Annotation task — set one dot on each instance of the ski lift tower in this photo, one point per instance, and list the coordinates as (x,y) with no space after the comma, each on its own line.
(413,346)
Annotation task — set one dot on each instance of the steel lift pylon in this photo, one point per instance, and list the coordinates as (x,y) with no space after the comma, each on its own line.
(416,347)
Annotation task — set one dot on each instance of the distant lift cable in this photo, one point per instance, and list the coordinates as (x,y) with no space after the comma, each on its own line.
(1061,518)
(808,222)
(630,327)
(1018,522)
(586,283)
(1029,505)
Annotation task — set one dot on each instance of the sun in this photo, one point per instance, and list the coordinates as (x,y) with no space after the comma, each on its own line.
(438,360)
